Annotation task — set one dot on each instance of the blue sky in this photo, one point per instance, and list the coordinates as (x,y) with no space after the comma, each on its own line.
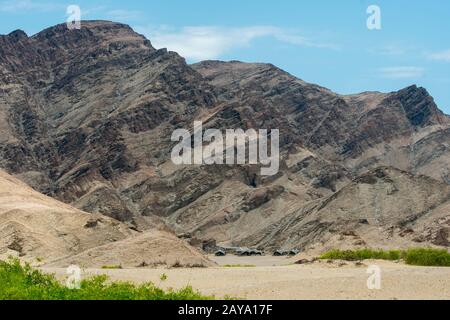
(322,41)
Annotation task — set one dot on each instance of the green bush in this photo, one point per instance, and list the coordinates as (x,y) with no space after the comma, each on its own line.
(415,256)
(362,254)
(21,282)
(427,257)
(111,267)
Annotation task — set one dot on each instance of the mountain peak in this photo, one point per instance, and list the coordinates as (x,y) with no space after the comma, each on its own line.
(419,106)
(94,30)
(92,25)
(18,34)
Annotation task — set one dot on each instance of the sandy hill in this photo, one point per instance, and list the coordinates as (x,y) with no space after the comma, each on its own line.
(151,249)
(34,226)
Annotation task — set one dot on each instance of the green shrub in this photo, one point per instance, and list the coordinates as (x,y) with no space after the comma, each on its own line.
(362,254)
(21,282)
(112,267)
(415,256)
(428,257)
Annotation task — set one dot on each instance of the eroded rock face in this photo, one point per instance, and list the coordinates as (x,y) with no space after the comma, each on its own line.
(86,107)
(86,116)
(358,132)
(385,207)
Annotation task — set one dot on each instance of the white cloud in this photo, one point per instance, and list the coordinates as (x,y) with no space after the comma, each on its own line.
(401,72)
(210,42)
(393,49)
(17,6)
(121,15)
(440,56)
(390,50)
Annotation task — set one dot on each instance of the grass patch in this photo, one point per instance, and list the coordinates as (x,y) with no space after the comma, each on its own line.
(415,256)
(427,257)
(239,266)
(112,267)
(22,282)
(362,254)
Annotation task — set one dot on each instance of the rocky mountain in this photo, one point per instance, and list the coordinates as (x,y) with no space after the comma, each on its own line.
(86,116)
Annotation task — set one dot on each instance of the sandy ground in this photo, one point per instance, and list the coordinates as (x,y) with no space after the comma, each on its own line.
(296,282)
(263,261)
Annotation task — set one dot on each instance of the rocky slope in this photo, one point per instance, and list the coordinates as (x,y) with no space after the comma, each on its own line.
(404,129)
(83,109)
(86,117)
(385,207)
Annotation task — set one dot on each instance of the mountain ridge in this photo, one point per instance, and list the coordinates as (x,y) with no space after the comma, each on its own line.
(86,117)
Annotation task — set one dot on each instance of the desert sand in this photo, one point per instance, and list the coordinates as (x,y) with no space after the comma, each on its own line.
(319,280)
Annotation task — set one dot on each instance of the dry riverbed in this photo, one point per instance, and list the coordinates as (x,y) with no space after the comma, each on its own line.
(264,278)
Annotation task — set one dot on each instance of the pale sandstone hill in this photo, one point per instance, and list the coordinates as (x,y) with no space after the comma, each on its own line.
(153,248)
(36,227)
